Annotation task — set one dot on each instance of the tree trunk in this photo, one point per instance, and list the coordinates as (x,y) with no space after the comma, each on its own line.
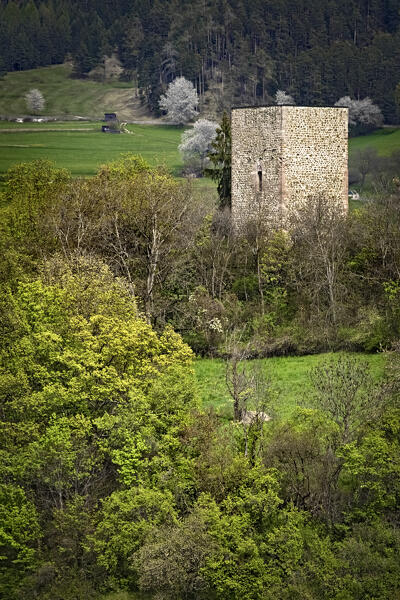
(153,256)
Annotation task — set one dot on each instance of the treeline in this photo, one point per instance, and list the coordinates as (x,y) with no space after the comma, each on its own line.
(234,51)
(111,477)
(323,280)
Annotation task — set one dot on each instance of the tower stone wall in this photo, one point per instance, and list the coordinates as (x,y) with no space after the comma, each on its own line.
(282,155)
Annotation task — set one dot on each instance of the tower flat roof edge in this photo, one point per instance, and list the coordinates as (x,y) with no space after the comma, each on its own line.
(284,106)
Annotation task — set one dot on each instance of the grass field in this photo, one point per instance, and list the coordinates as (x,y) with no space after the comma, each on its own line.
(385,141)
(84,150)
(64,95)
(81,147)
(288,377)
(20,128)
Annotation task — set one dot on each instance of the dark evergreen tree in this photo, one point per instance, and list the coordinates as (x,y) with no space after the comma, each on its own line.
(234,51)
(221,157)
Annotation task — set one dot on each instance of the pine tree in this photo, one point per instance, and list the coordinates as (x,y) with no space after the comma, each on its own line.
(220,157)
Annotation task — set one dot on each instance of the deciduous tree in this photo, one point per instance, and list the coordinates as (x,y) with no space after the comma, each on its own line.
(282,97)
(363,114)
(196,143)
(180,101)
(34,100)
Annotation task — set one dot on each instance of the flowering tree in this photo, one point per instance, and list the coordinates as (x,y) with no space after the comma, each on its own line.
(34,100)
(363,114)
(283,98)
(180,101)
(196,143)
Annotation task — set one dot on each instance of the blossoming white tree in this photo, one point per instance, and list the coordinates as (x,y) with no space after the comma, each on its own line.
(180,101)
(196,143)
(362,113)
(34,100)
(282,97)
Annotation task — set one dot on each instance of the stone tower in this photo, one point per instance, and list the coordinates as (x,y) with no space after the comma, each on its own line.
(282,155)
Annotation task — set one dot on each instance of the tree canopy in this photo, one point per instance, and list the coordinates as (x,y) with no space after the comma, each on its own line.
(234,52)
(114,478)
(180,101)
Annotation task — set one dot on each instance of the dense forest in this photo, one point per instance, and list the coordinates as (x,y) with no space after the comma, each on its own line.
(234,51)
(112,477)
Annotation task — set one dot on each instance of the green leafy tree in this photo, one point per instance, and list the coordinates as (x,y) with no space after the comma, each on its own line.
(126,519)
(19,535)
(96,400)
(368,563)
(140,224)
(31,191)
(344,390)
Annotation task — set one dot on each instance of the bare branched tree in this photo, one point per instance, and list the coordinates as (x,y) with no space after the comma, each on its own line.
(250,391)
(318,231)
(345,391)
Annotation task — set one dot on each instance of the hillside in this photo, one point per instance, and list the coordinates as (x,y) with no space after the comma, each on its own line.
(233,51)
(385,141)
(69,97)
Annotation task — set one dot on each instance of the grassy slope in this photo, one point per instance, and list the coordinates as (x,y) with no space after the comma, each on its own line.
(63,95)
(288,377)
(385,141)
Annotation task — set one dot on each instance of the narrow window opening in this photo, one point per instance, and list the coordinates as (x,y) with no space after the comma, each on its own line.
(260,181)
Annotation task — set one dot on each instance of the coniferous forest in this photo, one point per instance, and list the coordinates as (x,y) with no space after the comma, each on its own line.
(234,51)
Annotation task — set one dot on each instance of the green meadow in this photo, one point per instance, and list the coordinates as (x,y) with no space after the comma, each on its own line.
(81,147)
(64,95)
(288,378)
(385,141)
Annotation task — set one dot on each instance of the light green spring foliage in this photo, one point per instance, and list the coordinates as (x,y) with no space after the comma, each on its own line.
(30,192)
(95,400)
(19,530)
(127,167)
(111,478)
(30,187)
